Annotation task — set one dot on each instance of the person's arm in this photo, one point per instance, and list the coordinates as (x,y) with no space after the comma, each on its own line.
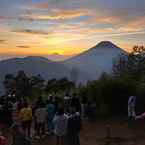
(142,116)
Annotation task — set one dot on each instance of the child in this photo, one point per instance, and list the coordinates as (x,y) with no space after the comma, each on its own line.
(40,116)
(60,126)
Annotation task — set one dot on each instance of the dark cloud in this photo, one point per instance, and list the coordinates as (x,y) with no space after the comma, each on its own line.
(2,41)
(56,53)
(30,31)
(23,46)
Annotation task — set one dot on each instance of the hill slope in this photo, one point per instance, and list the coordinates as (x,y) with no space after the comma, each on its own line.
(32,66)
(96,60)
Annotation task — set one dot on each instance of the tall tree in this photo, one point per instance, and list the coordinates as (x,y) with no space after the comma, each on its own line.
(132,64)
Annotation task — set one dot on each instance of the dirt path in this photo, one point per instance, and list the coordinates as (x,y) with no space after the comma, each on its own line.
(94,133)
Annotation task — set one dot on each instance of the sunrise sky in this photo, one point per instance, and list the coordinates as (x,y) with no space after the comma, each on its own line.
(62,28)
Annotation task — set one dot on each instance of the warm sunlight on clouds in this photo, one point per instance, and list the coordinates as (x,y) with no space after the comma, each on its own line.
(66,27)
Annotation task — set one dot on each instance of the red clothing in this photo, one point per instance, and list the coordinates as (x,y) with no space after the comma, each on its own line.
(2,140)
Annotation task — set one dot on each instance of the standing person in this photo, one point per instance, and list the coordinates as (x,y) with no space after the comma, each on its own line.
(40,116)
(131,107)
(60,126)
(25,117)
(73,127)
(38,102)
(50,108)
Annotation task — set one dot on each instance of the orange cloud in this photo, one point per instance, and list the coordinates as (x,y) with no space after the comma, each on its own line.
(137,24)
(2,41)
(23,46)
(70,13)
(104,19)
(92,31)
(56,14)
(41,5)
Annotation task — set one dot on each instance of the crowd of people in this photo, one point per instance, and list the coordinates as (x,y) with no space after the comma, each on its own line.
(53,116)
(60,117)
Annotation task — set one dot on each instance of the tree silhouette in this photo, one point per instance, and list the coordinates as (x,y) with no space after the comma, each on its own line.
(37,84)
(23,86)
(132,64)
(54,86)
(10,84)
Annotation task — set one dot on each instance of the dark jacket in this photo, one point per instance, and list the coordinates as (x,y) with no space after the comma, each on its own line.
(73,129)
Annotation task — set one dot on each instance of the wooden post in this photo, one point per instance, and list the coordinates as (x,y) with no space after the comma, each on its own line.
(108,134)
(108,131)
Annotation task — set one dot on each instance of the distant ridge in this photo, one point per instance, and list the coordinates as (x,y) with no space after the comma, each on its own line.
(87,66)
(32,65)
(37,58)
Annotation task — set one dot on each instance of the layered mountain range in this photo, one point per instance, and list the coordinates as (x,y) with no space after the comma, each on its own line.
(86,66)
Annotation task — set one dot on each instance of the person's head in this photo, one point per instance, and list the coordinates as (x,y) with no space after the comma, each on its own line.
(60,111)
(50,98)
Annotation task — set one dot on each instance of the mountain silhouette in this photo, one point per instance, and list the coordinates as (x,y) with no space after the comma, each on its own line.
(86,66)
(96,60)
